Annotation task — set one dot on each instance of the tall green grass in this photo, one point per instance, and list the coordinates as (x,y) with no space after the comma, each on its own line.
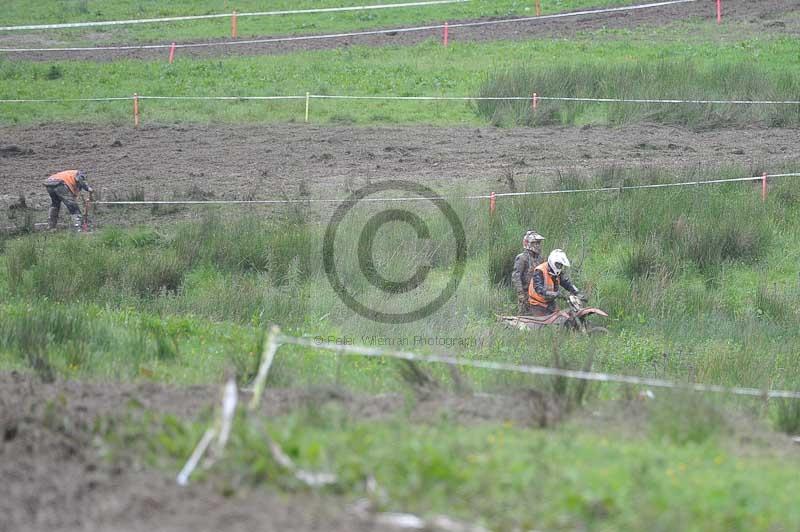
(666,79)
(83,340)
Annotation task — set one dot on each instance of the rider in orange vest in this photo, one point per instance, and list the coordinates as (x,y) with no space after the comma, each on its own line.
(547,279)
(64,187)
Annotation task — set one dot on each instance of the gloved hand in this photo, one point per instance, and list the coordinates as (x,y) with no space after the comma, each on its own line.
(551,294)
(580,295)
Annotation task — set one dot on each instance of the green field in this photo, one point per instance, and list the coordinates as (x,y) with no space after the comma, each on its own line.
(18,12)
(701,283)
(627,68)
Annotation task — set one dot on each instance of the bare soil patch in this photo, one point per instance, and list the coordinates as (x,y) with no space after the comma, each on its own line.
(55,476)
(306,161)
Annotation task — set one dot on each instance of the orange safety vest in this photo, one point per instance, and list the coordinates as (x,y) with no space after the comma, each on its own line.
(551,283)
(68,177)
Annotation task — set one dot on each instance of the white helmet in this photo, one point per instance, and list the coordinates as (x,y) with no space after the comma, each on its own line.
(531,237)
(557,260)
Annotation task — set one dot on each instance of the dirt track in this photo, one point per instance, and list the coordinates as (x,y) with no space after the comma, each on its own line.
(757,17)
(54,476)
(279,161)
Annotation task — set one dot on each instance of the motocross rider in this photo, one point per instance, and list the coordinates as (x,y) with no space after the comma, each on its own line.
(524,264)
(546,281)
(64,187)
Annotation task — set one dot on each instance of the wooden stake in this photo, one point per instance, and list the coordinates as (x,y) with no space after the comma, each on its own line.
(135,110)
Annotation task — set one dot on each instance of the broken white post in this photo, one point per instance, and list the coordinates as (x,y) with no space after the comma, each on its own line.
(230,397)
(267,356)
(183,476)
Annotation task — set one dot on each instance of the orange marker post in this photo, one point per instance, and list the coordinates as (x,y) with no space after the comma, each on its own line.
(445,35)
(538,7)
(719,11)
(492,203)
(764,187)
(234,28)
(135,110)
(171,53)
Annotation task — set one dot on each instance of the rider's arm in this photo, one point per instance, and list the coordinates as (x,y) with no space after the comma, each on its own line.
(516,275)
(566,283)
(83,185)
(539,286)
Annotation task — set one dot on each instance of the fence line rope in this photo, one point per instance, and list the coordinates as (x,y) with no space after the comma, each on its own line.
(224,15)
(351,34)
(422,198)
(536,370)
(555,98)
(633,100)
(409,98)
(65,100)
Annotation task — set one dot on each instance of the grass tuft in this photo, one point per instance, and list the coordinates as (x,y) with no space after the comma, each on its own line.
(655,80)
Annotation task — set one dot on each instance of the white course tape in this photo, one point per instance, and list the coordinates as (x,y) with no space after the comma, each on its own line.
(224,15)
(629,100)
(448,198)
(222,97)
(556,98)
(535,370)
(351,34)
(409,98)
(67,100)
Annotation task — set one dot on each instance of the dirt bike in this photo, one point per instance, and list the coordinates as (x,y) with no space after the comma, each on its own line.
(574,319)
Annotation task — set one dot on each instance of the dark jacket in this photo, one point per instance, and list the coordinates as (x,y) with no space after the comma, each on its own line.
(524,264)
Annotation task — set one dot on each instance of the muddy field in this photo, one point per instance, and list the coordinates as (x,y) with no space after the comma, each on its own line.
(755,17)
(300,161)
(53,470)
(56,475)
